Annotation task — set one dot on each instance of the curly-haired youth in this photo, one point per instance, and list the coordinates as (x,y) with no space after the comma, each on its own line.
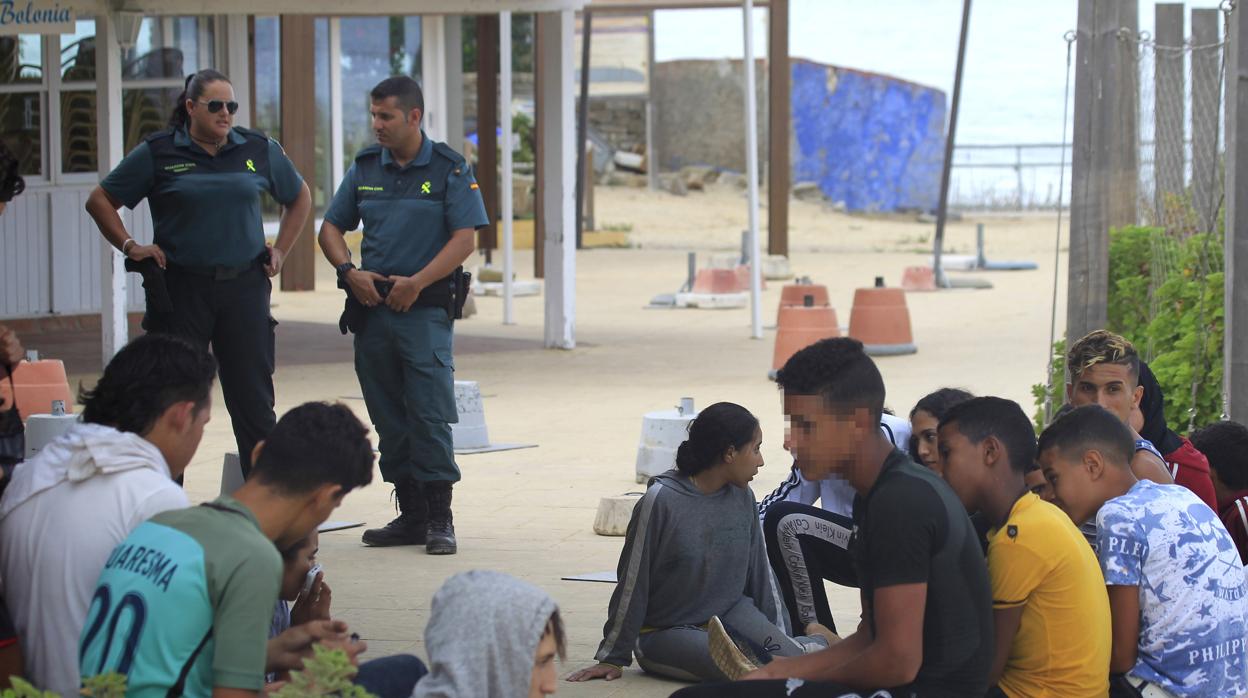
(716,429)
(145,378)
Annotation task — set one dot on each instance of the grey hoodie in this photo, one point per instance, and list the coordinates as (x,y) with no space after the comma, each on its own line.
(687,556)
(482,637)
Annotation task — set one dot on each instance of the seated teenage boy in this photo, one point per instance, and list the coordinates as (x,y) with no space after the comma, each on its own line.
(1176,585)
(184,604)
(927,609)
(1225,444)
(806,543)
(91,487)
(1104,369)
(1048,596)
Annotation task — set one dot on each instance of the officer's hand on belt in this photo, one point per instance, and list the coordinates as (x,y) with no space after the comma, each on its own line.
(141,252)
(363,288)
(404,293)
(276,257)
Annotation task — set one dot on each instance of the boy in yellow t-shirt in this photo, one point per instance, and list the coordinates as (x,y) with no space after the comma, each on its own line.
(1049,603)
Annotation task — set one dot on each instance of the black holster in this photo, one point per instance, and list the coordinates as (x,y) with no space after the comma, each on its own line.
(155,291)
(449,293)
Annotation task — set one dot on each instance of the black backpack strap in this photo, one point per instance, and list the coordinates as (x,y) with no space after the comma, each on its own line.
(175,691)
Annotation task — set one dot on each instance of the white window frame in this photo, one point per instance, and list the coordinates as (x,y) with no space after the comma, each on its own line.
(50,88)
(41,88)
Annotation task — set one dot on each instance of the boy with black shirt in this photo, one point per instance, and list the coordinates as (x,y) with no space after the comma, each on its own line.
(927,610)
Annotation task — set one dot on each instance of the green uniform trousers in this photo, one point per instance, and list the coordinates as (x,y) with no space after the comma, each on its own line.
(407,373)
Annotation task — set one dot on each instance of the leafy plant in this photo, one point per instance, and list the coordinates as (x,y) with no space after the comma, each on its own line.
(327,673)
(1166,296)
(23,689)
(1055,390)
(522,126)
(103,686)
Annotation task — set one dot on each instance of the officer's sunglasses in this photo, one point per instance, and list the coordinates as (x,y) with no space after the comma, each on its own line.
(215,105)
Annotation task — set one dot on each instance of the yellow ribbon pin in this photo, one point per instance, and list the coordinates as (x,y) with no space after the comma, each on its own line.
(425,188)
(251,165)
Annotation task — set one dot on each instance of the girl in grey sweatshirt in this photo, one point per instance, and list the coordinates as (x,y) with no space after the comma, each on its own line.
(694,549)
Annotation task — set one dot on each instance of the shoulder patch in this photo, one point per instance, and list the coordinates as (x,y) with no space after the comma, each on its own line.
(449,153)
(371,151)
(163,133)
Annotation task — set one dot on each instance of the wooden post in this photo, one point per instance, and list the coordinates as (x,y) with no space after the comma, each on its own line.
(1125,182)
(1205,95)
(780,89)
(487,126)
(1236,251)
(299,117)
(1096,54)
(1168,98)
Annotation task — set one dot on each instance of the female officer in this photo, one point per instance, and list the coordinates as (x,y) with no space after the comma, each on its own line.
(202,178)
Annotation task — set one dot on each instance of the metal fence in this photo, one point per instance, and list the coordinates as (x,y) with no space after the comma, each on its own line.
(1021,176)
(1013,176)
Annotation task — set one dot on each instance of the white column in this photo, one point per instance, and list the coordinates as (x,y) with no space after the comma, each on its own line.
(335,104)
(110,146)
(555,109)
(504,147)
(236,63)
(453,43)
(751,172)
(433,74)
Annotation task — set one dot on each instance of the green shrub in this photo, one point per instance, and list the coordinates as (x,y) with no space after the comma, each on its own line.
(327,673)
(1057,388)
(103,686)
(1166,296)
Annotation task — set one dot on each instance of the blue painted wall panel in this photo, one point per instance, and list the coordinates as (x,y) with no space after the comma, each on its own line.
(874,142)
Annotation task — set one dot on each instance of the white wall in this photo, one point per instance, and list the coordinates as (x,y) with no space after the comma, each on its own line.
(49,254)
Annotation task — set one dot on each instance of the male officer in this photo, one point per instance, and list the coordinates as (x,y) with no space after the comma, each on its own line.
(420,207)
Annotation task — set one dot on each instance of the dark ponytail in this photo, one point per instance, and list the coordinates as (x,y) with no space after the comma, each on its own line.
(193,90)
(717,428)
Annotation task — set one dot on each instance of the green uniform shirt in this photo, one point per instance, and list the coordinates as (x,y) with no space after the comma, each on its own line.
(408,212)
(188,594)
(206,209)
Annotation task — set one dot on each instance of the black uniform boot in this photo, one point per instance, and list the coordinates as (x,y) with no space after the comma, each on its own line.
(441,539)
(410,527)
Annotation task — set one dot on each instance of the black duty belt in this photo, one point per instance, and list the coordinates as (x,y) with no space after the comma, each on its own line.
(217,273)
(448,293)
